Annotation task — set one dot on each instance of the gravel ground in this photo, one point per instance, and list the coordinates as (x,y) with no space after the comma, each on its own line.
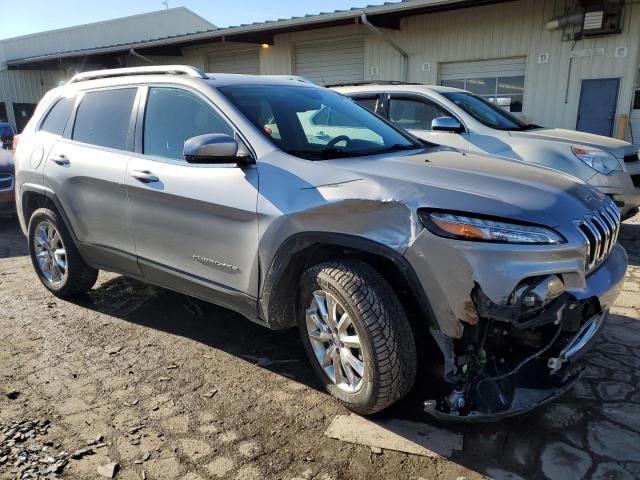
(168,387)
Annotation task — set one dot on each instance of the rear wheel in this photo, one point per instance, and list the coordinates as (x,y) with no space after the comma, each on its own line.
(55,258)
(356,334)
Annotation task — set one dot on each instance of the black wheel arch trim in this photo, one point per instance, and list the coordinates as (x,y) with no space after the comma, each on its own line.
(268,295)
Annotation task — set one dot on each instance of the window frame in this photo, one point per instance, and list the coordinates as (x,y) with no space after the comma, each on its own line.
(138,135)
(68,132)
(424,99)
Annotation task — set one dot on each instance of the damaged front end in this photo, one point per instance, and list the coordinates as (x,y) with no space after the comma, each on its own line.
(518,356)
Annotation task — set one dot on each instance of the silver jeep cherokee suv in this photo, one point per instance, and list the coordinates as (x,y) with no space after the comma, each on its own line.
(380,247)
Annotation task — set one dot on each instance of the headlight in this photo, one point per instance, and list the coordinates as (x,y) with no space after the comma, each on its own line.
(460,226)
(599,160)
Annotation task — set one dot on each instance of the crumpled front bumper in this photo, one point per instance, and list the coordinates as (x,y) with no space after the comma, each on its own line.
(565,371)
(452,272)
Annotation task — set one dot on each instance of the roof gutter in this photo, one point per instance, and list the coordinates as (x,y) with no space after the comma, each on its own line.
(389,40)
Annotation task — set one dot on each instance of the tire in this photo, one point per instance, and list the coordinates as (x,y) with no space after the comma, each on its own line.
(76,276)
(373,312)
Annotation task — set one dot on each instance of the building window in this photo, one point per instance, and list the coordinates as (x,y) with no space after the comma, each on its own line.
(506,92)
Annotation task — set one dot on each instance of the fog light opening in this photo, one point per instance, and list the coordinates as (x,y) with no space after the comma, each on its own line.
(534,294)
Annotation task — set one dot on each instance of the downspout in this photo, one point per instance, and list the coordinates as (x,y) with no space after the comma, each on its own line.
(389,40)
(140,56)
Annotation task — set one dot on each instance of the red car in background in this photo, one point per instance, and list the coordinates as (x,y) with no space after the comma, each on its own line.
(7,183)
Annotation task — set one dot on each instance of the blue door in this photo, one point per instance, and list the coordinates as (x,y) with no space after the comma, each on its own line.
(597,110)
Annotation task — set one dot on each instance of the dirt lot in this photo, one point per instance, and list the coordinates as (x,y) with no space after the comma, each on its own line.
(170,387)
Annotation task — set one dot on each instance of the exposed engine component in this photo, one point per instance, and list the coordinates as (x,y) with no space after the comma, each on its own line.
(515,357)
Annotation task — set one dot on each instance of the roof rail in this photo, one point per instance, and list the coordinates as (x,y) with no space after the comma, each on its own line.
(372,82)
(150,70)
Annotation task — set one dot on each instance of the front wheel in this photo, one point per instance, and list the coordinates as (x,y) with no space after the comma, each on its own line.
(356,334)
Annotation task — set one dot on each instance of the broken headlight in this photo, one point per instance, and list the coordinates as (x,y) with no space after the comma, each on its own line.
(461,226)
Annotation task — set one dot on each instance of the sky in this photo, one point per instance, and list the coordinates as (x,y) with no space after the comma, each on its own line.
(30,16)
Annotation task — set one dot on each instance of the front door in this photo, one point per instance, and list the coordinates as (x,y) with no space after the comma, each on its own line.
(23,113)
(597,109)
(195,225)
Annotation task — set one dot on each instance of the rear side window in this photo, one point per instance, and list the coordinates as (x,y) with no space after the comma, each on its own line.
(172,117)
(414,114)
(57,118)
(103,118)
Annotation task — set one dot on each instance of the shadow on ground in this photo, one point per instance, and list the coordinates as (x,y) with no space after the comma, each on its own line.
(630,239)
(13,243)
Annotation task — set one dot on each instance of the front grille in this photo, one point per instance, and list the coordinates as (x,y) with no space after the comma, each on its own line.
(6,181)
(636,180)
(632,157)
(600,231)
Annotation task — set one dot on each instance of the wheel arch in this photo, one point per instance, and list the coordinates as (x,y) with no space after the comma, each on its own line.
(278,296)
(34,196)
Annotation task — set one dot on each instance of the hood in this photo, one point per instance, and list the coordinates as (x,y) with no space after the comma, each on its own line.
(480,184)
(615,146)
(6,161)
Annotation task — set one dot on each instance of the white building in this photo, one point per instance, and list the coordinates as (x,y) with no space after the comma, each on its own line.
(579,71)
(21,88)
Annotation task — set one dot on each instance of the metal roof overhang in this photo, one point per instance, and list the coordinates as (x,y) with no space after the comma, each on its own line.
(387,16)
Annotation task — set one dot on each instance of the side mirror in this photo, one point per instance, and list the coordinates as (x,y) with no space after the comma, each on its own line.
(215,148)
(446,124)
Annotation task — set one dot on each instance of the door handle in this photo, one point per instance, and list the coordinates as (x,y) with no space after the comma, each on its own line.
(144,176)
(61,160)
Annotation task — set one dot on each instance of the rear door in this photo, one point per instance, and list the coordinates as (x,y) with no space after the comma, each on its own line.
(415,114)
(86,168)
(195,225)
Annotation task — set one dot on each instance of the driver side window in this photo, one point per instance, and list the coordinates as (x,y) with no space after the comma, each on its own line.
(172,116)
(414,114)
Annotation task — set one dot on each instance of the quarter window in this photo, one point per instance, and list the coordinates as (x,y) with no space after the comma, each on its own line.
(414,114)
(56,119)
(103,118)
(172,117)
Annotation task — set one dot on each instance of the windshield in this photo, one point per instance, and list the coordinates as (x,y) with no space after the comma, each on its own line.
(316,124)
(486,112)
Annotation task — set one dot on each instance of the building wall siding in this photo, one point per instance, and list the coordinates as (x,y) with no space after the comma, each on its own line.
(26,86)
(514,29)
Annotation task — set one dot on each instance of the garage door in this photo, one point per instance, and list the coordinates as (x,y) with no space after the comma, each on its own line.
(331,62)
(238,61)
(500,80)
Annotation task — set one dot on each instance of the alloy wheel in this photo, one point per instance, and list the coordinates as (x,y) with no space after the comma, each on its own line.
(50,253)
(335,341)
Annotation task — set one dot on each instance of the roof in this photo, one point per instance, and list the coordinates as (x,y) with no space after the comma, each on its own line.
(387,15)
(166,23)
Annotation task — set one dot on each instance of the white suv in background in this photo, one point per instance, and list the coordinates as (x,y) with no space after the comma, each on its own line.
(460,119)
